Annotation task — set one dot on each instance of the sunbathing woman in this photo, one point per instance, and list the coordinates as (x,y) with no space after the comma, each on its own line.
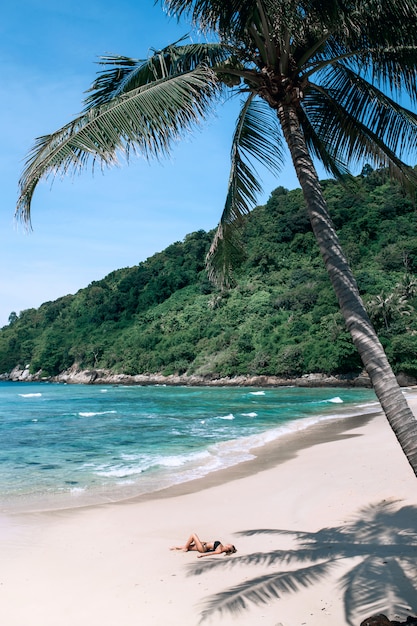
(206,548)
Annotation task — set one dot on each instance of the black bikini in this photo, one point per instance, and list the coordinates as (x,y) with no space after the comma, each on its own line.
(216,544)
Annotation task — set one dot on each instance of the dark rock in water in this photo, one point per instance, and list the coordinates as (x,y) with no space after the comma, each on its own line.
(382,620)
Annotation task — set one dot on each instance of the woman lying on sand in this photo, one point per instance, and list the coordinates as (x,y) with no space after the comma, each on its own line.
(206,548)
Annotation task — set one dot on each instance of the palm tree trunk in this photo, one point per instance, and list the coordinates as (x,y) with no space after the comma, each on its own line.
(387,389)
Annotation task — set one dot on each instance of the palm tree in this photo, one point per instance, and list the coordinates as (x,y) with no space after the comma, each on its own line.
(323,77)
(386,308)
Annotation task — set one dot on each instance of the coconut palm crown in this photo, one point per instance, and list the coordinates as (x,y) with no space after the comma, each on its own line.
(326,78)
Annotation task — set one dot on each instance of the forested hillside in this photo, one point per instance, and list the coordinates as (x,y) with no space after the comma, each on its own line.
(281,318)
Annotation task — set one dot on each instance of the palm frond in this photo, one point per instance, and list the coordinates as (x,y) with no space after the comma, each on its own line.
(395,70)
(378,39)
(225,18)
(145,120)
(110,83)
(126,74)
(357,123)
(384,26)
(395,125)
(263,589)
(321,149)
(257,136)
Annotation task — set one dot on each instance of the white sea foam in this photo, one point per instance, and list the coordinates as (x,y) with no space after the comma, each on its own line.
(226,417)
(118,471)
(334,400)
(240,449)
(131,457)
(177,461)
(141,463)
(93,414)
(76,491)
(257,393)
(253,414)
(30,395)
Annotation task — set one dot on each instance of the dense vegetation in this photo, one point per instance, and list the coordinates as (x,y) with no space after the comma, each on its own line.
(281,318)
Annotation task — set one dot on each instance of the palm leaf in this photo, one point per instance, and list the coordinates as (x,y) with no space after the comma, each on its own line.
(362,124)
(263,589)
(321,149)
(388,35)
(395,125)
(257,136)
(126,74)
(227,18)
(146,120)
(378,40)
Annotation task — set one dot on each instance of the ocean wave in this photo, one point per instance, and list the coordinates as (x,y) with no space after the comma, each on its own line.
(257,393)
(76,491)
(334,400)
(143,463)
(29,395)
(118,471)
(253,414)
(175,469)
(182,459)
(244,445)
(93,414)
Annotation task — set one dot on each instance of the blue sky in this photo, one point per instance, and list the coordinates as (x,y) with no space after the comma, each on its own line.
(87,226)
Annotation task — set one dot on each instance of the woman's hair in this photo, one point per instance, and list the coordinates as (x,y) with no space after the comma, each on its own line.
(232,550)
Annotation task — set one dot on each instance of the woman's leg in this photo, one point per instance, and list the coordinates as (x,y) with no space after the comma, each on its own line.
(192,543)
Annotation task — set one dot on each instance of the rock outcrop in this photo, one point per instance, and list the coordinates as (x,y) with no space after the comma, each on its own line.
(74,375)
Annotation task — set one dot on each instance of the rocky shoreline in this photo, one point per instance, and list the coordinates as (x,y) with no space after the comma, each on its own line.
(105,377)
(100,377)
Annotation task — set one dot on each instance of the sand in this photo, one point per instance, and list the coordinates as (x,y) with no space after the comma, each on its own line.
(320,520)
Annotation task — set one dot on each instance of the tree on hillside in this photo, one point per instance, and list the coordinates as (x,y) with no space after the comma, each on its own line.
(323,77)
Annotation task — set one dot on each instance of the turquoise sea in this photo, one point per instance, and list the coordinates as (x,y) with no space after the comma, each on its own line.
(69,445)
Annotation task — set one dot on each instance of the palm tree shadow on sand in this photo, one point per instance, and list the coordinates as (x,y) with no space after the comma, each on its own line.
(383,540)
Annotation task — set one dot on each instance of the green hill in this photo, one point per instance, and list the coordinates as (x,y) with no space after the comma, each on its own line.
(281,318)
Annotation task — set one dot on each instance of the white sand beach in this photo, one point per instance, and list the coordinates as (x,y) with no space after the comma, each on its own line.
(342,491)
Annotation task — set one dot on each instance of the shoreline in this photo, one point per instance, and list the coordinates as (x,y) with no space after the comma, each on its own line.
(105,377)
(265,449)
(76,376)
(341,497)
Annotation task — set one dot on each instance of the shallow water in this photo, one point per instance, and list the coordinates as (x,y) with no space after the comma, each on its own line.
(67,445)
